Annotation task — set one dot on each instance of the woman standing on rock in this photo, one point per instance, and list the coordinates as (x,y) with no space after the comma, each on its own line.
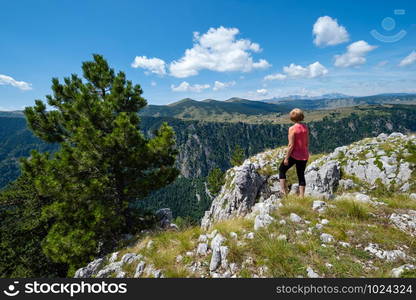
(297,152)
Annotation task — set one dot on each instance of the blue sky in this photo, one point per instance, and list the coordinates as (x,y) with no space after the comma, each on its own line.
(211,49)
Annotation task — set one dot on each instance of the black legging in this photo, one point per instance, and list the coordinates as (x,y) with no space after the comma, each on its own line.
(300,169)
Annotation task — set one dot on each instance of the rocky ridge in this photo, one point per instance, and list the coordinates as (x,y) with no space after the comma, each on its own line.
(345,227)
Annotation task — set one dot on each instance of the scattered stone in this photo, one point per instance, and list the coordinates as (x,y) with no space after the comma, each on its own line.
(412,196)
(328,265)
(263,271)
(327,238)
(121,274)
(397,272)
(227,274)
(202,249)
(233,235)
(319,226)
(295,218)
(262,220)
(157,274)
(174,227)
(319,205)
(324,221)
(248,262)
(388,255)
(233,268)
(202,238)
(189,253)
(215,259)
(250,235)
(311,273)
(112,268)
(129,258)
(344,244)
(282,237)
(179,258)
(282,222)
(140,268)
(299,232)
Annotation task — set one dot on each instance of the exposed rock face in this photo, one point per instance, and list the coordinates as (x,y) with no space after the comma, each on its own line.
(90,270)
(243,185)
(383,159)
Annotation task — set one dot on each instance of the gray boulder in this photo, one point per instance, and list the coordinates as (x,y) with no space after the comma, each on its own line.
(90,270)
(254,181)
(237,198)
(322,177)
(139,269)
(397,272)
(215,259)
(202,249)
(164,217)
(263,220)
(112,268)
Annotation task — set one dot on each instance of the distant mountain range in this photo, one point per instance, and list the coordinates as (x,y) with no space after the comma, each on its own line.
(257,111)
(238,108)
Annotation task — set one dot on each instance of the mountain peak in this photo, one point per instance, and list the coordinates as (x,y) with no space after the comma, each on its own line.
(183,101)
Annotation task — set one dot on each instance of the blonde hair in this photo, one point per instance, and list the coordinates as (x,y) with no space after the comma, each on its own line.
(296,115)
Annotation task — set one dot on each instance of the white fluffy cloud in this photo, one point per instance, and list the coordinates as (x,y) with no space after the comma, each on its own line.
(262,92)
(355,54)
(328,32)
(218,50)
(186,87)
(296,71)
(7,80)
(408,60)
(218,85)
(154,65)
(277,76)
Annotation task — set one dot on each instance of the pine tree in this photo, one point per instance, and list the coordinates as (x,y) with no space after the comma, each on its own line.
(104,163)
(237,157)
(215,180)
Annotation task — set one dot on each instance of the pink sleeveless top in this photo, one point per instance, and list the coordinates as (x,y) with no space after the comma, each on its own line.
(300,149)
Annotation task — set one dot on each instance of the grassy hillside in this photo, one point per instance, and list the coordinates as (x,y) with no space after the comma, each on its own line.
(213,110)
(285,249)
